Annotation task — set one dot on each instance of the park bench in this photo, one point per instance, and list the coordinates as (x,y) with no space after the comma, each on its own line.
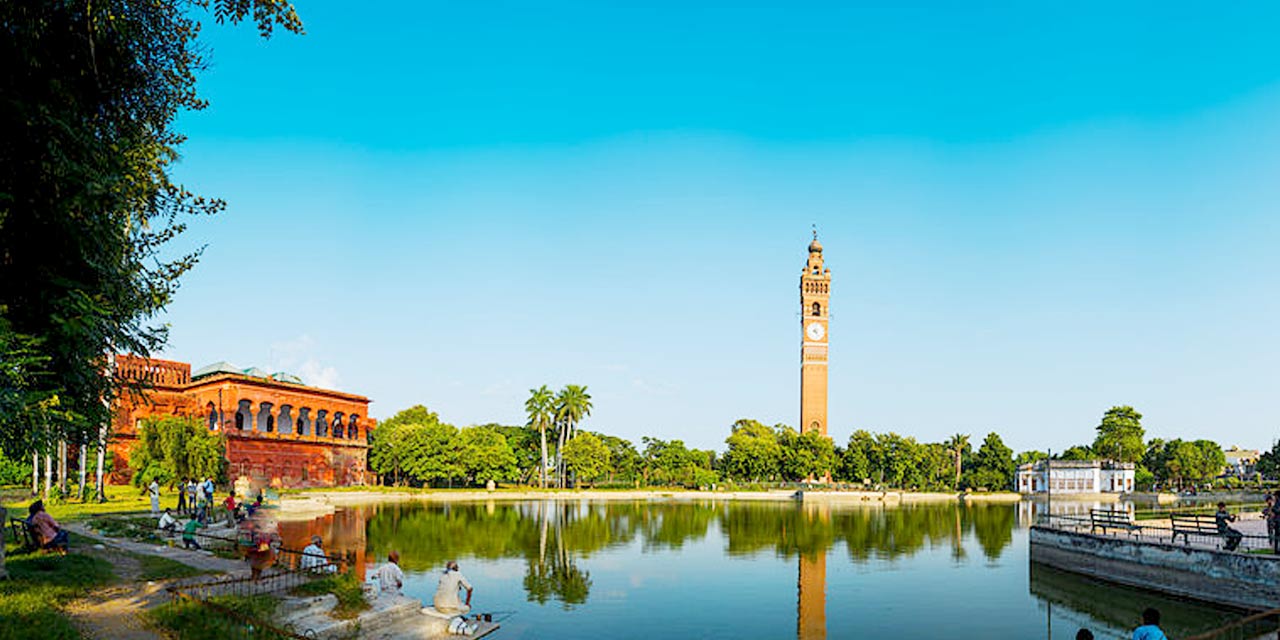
(22,533)
(1189,524)
(1108,519)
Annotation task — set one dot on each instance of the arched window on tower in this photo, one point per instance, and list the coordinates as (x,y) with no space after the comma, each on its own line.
(817,309)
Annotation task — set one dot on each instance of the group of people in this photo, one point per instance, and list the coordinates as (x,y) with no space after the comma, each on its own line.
(1148,630)
(195,497)
(451,584)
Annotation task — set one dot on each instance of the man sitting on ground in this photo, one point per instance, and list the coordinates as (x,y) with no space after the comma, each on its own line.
(390,577)
(314,558)
(1222,517)
(168,523)
(49,534)
(446,600)
(1150,629)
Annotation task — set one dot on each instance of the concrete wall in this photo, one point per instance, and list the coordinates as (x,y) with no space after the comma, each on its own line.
(1234,579)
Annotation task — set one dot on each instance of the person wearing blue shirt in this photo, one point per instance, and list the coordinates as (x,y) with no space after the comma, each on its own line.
(1150,629)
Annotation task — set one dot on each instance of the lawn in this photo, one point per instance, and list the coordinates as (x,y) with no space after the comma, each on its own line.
(190,620)
(346,587)
(40,585)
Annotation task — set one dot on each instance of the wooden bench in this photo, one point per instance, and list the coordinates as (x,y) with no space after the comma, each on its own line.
(1107,519)
(1188,524)
(22,532)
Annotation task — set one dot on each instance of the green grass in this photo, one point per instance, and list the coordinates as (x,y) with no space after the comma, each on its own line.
(160,568)
(39,585)
(119,500)
(192,621)
(346,587)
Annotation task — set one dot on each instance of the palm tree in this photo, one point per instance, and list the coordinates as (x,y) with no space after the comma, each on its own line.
(572,405)
(541,409)
(956,445)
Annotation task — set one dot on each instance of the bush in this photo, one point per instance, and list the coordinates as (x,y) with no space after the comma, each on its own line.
(345,587)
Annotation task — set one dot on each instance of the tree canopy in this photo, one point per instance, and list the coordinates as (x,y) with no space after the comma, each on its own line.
(1120,435)
(170,448)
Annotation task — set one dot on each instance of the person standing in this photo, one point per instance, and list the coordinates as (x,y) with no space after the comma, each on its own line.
(182,496)
(390,577)
(1273,522)
(190,488)
(1150,629)
(208,490)
(446,599)
(153,490)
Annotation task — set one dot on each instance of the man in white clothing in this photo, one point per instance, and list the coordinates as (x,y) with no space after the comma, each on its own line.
(314,558)
(168,523)
(446,600)
(153,490)
(390,577)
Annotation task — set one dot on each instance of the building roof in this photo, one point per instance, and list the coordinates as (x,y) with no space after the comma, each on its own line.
(284,376)
(221,366)
(255,372)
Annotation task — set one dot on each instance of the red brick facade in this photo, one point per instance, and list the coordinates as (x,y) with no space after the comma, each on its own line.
(278,433)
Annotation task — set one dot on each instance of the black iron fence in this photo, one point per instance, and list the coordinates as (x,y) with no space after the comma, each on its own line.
(1165,530)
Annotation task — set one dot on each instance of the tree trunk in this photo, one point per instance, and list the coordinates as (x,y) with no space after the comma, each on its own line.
(84,467)
(48,474)
(62,467)
(542,473)
(35,474)
(4,573)
(99,490)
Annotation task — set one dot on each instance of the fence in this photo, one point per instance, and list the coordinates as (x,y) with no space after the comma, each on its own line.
(1156,531)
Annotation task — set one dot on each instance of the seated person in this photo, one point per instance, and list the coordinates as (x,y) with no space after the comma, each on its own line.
(168,523)
(1222,517)
(446,599)
(390,577)
(49,534)
(314,558)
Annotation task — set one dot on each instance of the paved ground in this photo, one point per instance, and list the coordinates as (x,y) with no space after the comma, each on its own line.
(1159,531)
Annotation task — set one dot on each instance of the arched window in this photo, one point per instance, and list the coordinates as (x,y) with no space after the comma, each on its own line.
(817,309)
(239,420)
(814,426)
(213,418)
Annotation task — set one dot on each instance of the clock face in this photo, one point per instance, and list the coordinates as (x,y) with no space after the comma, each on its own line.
(815,331)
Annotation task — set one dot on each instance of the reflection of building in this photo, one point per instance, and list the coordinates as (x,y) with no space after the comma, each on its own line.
(278,430)
(815,295)
(1076,476)
(1240,461)
(811,613)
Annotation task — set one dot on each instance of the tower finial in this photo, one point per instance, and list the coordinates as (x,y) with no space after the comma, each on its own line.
(815,231)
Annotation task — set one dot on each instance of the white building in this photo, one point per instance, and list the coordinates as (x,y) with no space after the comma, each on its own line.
(1076,476)
(1240,462)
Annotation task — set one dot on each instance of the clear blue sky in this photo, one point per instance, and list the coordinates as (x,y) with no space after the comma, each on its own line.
(1031,212)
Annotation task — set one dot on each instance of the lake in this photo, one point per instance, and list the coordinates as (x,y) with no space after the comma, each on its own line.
(720,569)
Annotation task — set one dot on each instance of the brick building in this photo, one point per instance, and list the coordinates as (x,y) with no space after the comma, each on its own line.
(278,431)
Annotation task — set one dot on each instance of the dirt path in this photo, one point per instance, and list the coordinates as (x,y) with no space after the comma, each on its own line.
(116,611)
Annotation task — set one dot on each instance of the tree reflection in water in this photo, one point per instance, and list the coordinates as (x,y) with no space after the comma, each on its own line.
(555,538)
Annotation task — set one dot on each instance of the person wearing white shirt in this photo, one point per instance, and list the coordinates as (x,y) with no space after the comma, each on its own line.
(314,558)
(153,490)
(390,577)
(446,600)
(168,523)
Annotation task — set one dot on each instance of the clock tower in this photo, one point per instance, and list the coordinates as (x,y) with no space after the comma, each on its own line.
(815,294)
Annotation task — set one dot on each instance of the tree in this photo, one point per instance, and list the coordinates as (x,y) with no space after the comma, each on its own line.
(486,455)
(856,459)
(1269,462)
(958,446)
(433,451)
(389,445)
(806,455)
(1028,457)
(1077,452)
(754,452)
(624,460)
(993,465)
(573,404)
(1120,435)
(170,448)
(540,408)
(586,457)
(88,207)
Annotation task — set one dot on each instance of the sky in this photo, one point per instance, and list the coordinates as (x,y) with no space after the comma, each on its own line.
(1032,212)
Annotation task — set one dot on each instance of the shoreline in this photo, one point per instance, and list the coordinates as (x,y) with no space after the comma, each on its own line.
(314,503)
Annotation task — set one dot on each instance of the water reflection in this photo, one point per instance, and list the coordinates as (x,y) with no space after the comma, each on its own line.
(642,556)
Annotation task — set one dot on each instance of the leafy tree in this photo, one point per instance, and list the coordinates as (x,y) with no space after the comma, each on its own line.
(434,451)
(1078,452)
(993,465)
(586,457)
(540,408)
(486,455)
(88,206)
(170,448)
(754,452)
(388,445)
(524,446)
(1120,435)
(1269,462)
(856,459)
(624,460)
(958,446)
(806,455)
(1026,457)
(14,471)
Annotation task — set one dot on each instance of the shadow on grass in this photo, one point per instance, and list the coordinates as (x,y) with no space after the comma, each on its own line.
(39,585)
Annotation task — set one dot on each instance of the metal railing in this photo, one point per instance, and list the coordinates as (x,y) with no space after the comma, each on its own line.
(1257,625)
(1156,531)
